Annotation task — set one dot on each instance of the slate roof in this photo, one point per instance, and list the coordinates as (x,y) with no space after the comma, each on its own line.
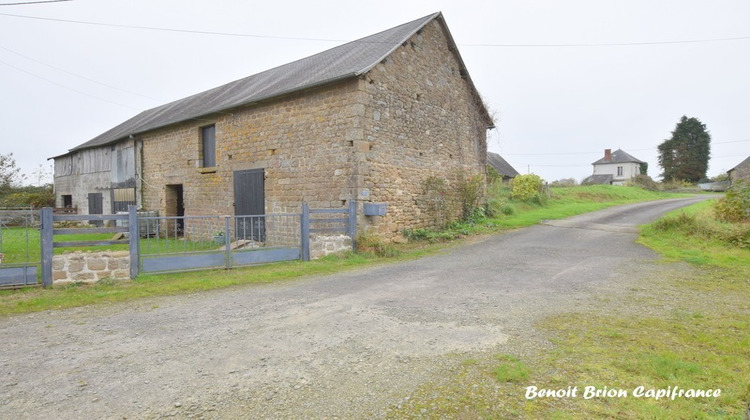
(345,61)
(743,163)
(618,156)
(599,179)
(501,165)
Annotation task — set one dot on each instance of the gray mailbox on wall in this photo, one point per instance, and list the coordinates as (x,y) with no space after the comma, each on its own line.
(375,209)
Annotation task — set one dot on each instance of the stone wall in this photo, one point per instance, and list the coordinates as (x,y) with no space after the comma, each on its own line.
(90,267)
(741,171)
(422,120)
(300,141)
(322,245)
(373,138)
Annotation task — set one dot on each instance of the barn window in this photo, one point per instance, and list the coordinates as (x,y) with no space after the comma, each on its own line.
(122,198)
(208,146)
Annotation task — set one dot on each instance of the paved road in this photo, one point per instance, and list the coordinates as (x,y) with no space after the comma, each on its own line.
(351,344)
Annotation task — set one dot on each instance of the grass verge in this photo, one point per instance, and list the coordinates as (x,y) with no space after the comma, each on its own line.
(110,291)
(564,202)
(684,327)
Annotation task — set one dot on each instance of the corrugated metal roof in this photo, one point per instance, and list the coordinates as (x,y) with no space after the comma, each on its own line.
(349,60)
(501,165)
(619,156)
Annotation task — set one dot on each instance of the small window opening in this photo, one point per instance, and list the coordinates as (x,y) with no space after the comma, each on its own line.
(208,149)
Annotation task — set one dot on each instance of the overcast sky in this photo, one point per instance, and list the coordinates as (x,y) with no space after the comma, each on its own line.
(566,79)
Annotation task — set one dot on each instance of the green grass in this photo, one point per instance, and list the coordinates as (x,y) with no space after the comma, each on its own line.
(694,235)
(24,245)
(510,369)
(564,202)
(570,201)
(687,326)
(105,292)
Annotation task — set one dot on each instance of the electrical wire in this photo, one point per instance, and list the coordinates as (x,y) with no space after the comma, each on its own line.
(598,152)
(610,44)
(576,45)
(79,76)
(66,87)
(155,28)
(23,3)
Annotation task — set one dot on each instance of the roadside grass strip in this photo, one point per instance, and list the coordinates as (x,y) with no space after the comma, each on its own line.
(675,346)
(564,202)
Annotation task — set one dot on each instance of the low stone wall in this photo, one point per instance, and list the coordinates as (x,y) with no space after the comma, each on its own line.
(90,267)
(320,246)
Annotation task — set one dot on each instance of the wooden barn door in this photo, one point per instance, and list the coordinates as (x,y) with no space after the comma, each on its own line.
(96,206)
(250,200)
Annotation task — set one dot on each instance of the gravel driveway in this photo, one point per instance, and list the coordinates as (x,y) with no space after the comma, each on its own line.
(348,345)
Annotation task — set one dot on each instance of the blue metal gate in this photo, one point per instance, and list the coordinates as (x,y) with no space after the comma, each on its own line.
(20,258)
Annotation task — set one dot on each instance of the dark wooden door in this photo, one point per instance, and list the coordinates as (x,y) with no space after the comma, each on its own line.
(250,204)
(96,206)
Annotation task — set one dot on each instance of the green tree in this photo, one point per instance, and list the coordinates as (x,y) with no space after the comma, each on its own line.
(685,155)
(10,174)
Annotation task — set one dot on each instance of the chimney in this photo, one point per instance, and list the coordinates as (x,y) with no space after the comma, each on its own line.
(608,155)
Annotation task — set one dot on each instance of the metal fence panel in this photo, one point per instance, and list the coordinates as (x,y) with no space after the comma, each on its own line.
(178,243)
(20,257)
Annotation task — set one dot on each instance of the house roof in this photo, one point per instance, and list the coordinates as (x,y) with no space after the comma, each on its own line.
(618,156)
(599,179)
(345,61)
(743,163)
(501,165)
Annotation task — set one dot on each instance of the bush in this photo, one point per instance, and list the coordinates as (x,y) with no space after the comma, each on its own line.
(498,206)
(36,197)
(430,235)
(470,191)
(734,234)
(683,221)
(565,182)
(644,181)
(735,205)
(739,236)
(370,243)
(678,186)
(526,187)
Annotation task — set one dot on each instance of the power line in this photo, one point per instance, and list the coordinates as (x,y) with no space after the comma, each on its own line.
(610,44)
(23,3)
(66,87)
(78,75)
(155,28)
(598,152)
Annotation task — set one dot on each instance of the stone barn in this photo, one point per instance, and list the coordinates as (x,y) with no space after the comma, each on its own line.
(741,172)
(371,120)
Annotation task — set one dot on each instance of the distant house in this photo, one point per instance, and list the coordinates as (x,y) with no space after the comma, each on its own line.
(502,167)
(370,120)
(615,168)
(740,172)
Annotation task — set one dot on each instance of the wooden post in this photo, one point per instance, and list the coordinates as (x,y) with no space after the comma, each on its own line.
(352,228)
(47,238)
(227,243)
(134,238)
(305,227)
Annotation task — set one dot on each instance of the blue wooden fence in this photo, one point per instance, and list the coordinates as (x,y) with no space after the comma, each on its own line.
(310,221)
